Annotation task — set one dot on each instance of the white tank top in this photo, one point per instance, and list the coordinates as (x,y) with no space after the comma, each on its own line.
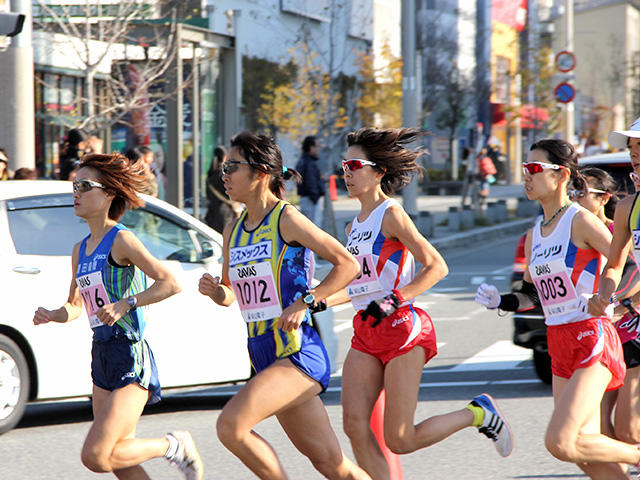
(562,272)
(385,264)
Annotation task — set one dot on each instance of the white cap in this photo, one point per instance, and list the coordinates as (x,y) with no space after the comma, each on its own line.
(619,138)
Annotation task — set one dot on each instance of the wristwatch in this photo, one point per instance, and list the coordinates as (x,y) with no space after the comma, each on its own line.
(309,299)
(132,301)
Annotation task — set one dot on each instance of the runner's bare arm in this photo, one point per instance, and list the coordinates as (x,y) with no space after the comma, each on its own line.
(72,307)
(397,224)
(340,297)
(219,290)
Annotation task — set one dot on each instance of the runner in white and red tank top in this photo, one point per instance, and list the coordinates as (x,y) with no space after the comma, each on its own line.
(565,255)
(392,338)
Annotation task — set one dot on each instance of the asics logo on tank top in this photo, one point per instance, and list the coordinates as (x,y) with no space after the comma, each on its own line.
(400,320)
(248,253)
(586,333)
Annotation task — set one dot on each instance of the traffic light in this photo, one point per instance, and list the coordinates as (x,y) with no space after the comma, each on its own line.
(11,24)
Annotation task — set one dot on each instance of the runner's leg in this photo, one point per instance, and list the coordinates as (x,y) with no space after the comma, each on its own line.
(627,415)
(322,448)
(362,377)
(573,432)
(275,389)
(402,382)
(111,444)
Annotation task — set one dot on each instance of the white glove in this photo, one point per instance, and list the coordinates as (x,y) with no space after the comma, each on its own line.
(488,296)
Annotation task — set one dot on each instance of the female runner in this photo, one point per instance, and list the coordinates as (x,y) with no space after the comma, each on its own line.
(109,268)
(267,262)
(626,228)
(564,253)
(393,340)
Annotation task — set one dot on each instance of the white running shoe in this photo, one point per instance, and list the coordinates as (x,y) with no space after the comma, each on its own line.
(187,458)
(494,425)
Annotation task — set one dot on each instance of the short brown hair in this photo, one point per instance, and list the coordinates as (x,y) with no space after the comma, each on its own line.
(120,177)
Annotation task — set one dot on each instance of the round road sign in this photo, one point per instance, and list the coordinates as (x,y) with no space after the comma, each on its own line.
(565,61)
(564,92)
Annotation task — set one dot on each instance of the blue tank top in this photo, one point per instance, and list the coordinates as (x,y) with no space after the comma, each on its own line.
(101,282)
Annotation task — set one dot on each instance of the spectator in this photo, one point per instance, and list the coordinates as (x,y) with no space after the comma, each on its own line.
(486,171)
(26,173)
(311,189)
(137,154)
(222,210)
(4,165)
(72,149)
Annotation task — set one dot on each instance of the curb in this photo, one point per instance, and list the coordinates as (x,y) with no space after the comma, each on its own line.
(480,234)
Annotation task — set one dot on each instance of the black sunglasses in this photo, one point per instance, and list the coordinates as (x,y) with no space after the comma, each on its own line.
(82,186)
(231,166)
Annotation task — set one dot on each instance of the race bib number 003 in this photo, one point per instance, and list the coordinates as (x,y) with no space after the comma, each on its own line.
(368,281)
(255,289)
(555,289)
(94,295)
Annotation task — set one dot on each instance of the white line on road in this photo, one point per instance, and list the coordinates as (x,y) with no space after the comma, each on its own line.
(502,355)
(477,280)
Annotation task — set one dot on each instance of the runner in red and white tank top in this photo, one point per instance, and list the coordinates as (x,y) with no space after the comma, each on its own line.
(392,339)
(564,252)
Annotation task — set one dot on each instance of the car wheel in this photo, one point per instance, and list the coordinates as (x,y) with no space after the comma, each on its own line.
(542,364)
(14,383)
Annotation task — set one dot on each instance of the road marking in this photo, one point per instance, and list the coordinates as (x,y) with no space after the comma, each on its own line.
(472,383)
(502,355)
(447,289)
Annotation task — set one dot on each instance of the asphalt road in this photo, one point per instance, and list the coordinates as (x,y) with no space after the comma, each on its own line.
(475,356)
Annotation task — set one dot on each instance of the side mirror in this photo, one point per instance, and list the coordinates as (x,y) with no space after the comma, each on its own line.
(11,24)
(207,250)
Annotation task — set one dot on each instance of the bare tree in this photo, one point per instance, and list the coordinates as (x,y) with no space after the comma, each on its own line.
(118,39)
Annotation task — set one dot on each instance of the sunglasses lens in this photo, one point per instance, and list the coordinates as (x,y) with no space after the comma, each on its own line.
(81,186)
(352,165)
(533,168)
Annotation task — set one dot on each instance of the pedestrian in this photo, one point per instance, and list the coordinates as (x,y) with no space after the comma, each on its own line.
(392,339)
(4,165)
(25,173)
(110,269)
(311,188)
(626,226)
(486,175)
(144,156)
(565,253)
(267,269)
(71,151)
(222,209)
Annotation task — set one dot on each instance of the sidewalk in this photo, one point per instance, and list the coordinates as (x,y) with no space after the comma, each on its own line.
(444,238)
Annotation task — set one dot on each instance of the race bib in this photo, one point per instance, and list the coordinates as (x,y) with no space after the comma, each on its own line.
(368,281)
(636,246)
(556,291)
(94,295)
(255,289)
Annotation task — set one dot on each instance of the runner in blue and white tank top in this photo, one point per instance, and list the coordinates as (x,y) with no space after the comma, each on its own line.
(267,268)
(393,339)
(110,268)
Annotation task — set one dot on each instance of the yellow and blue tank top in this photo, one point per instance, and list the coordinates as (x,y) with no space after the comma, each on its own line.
(634,228)
(267,275)
(102,282)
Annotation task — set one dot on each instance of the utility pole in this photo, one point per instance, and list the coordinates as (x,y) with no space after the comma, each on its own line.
(569,122)
(17,113)
(410,102)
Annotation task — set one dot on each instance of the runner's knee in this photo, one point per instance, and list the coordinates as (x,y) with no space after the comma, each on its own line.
(95,460)
(628,432)
(229,430)
(355,425)
(400,444)
(560,447)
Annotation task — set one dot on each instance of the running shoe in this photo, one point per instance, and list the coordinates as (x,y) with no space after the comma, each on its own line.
(494,425)
(187,458)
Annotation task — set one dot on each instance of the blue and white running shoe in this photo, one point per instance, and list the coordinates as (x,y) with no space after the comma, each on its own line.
(494,425)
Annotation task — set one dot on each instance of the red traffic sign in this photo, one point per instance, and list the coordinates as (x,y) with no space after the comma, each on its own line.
(564,92)
(565,61)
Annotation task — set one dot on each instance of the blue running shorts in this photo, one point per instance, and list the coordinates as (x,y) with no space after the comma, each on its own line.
(312,359)
(119,361)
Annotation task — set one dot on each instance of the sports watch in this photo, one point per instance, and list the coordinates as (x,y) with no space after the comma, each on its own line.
(309,299)
(132,301)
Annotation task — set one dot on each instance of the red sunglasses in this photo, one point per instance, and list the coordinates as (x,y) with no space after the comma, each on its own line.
(355,164)
(536,167)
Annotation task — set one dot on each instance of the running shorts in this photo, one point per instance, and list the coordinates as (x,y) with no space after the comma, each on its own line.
(626,328)
(312,358)
(119,361)
(582,344)
(399,333)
